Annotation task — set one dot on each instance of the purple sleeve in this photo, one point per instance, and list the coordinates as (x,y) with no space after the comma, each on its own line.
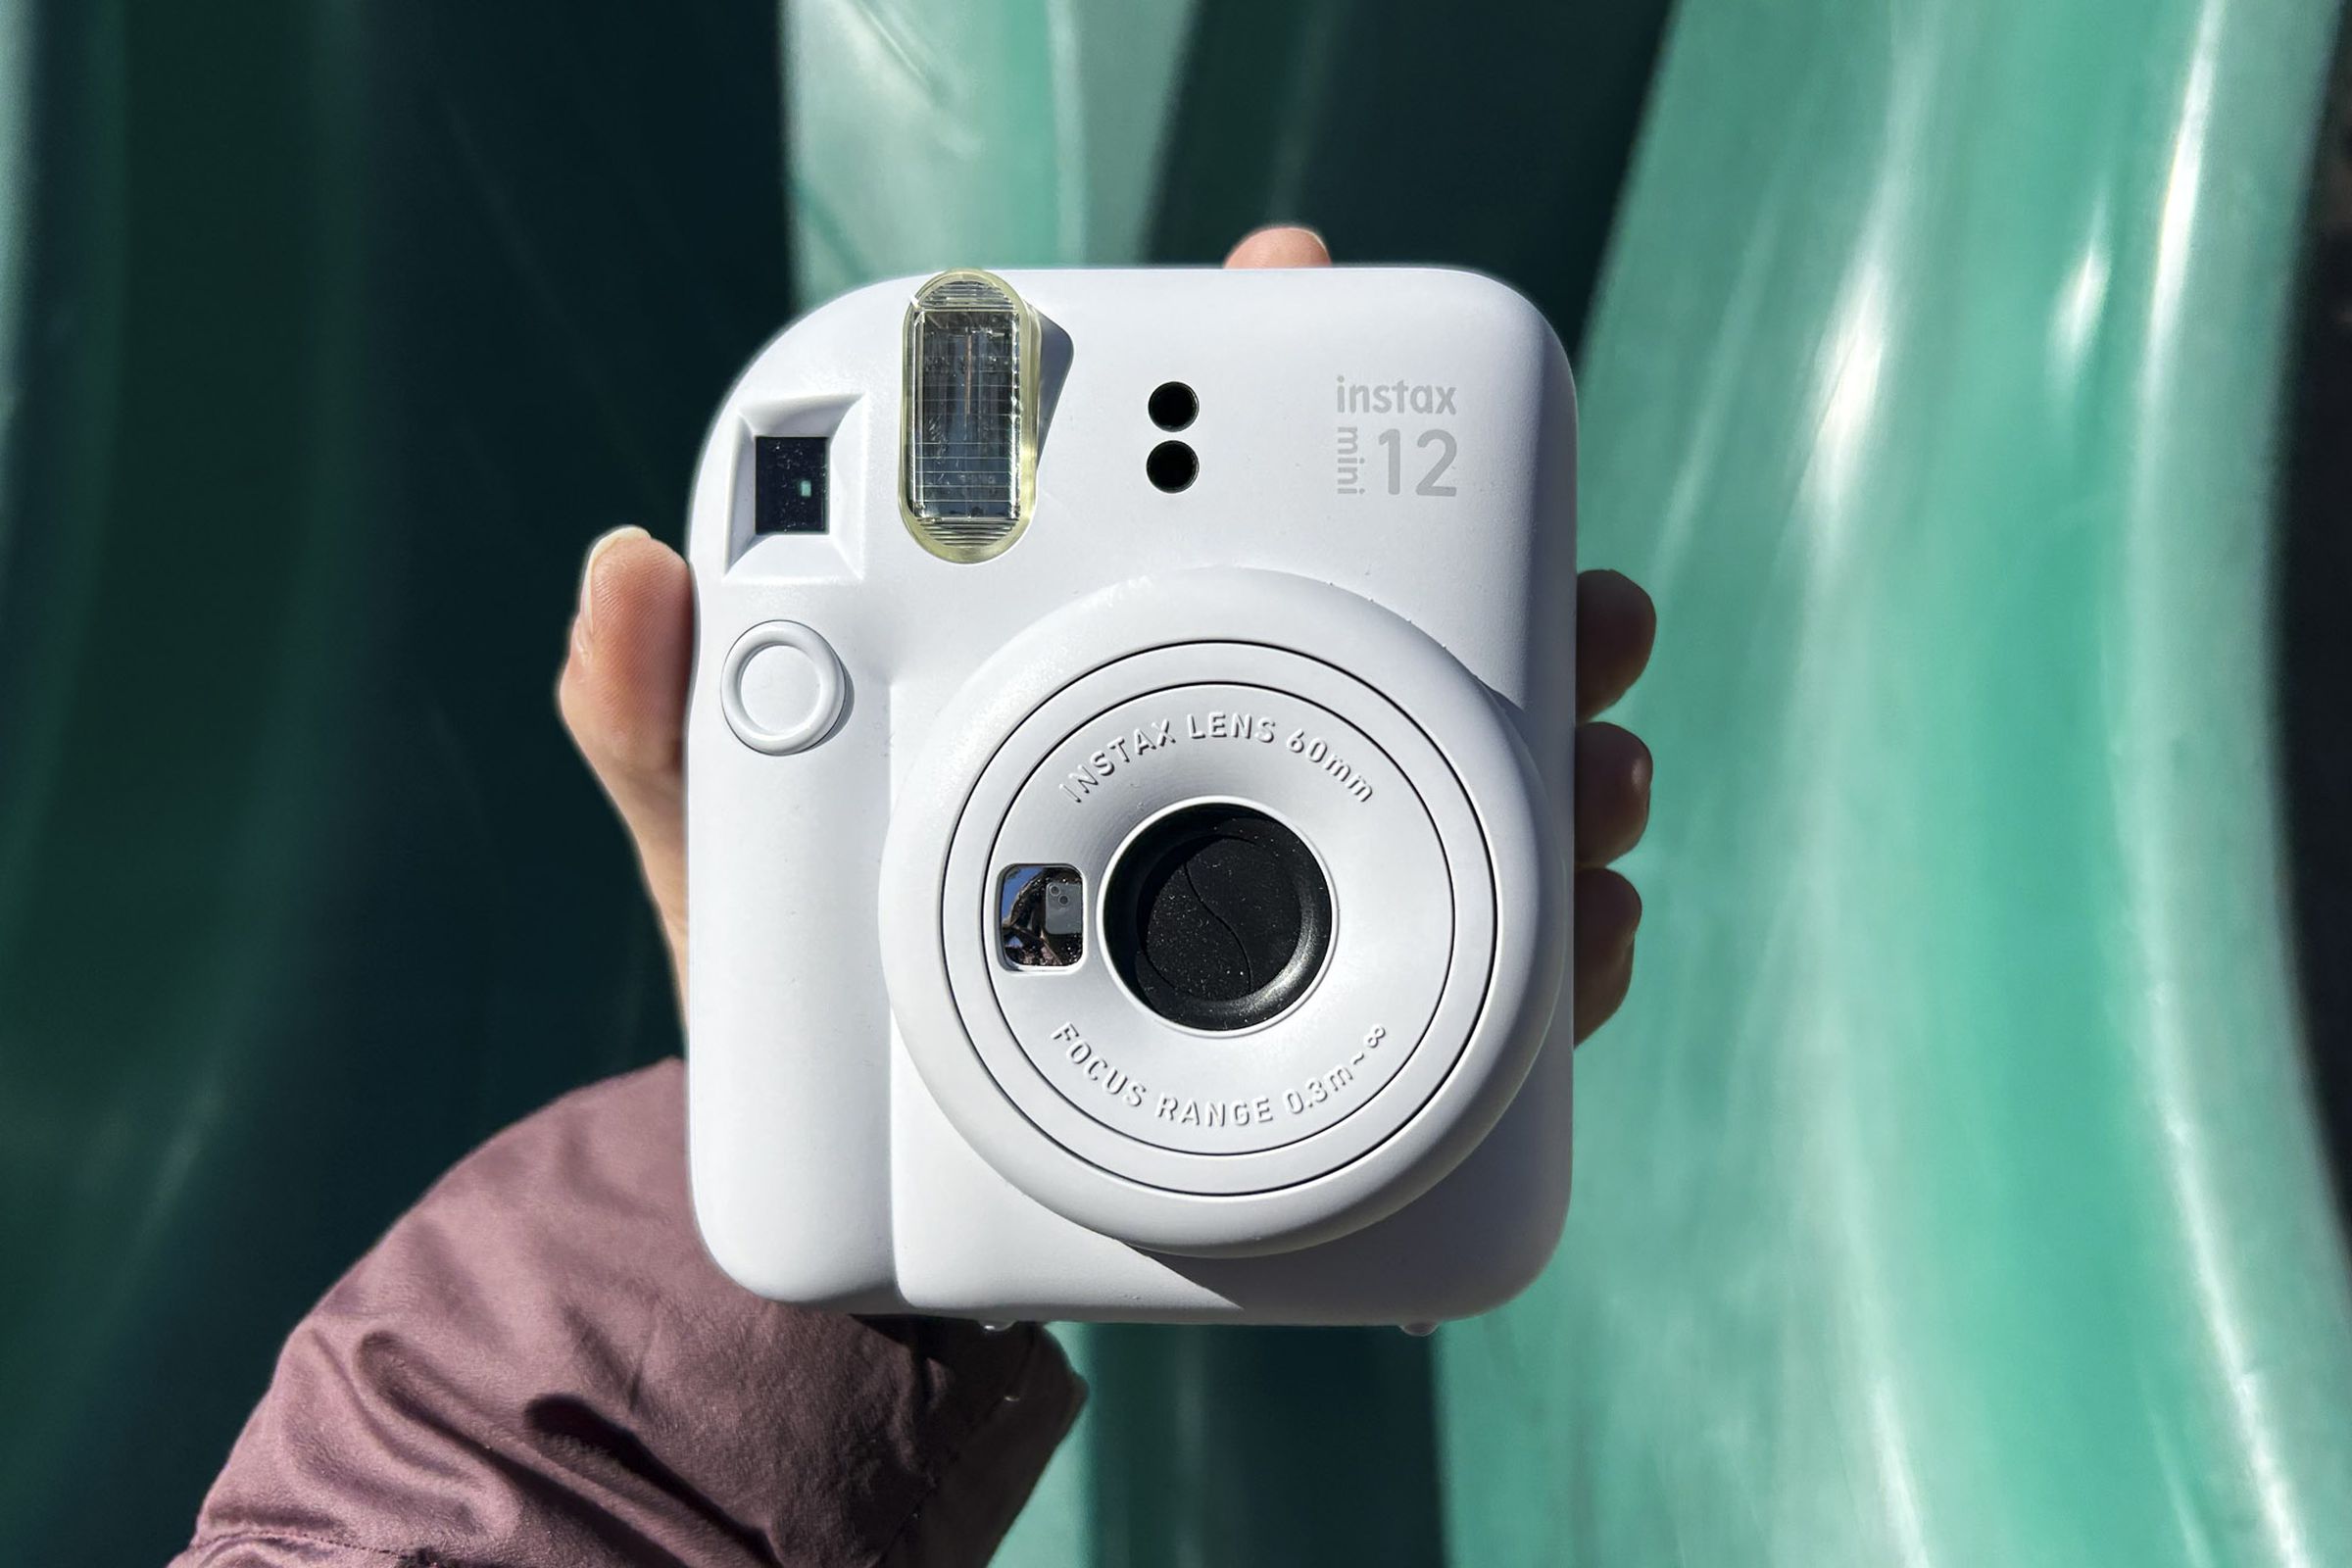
(538,1367)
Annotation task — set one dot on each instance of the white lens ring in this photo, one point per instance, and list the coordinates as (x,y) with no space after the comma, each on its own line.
(1243,1169)
(1208,624)
(1325,1057)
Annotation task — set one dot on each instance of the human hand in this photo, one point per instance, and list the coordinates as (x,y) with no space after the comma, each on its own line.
(623,697)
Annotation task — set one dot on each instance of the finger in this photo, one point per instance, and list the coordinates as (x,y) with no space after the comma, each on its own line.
(1615,625)
(1607,913)
(623,698)
(1284,245)
(1612,792)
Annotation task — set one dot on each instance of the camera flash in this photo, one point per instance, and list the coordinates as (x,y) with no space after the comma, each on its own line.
(968,474)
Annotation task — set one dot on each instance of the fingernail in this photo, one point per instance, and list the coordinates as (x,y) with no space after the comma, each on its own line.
(584,627)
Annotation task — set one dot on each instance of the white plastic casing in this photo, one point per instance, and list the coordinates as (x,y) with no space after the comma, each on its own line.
(1375,567)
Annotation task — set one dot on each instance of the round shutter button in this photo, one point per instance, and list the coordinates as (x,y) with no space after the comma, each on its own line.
(782,687)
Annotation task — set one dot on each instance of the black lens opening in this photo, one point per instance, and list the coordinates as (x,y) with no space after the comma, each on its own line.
(1217,916)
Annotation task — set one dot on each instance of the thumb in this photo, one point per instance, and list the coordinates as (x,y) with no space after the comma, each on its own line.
(622,695)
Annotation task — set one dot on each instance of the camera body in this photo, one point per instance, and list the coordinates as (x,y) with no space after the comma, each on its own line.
(1127,777)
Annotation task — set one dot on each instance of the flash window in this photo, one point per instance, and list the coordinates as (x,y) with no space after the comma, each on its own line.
(967,464)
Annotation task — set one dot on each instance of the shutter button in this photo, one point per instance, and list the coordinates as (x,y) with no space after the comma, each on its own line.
(782,687)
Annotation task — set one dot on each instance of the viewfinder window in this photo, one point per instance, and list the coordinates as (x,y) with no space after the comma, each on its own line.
(788,476)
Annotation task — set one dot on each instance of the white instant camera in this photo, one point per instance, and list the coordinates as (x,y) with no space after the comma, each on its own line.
(1125,770)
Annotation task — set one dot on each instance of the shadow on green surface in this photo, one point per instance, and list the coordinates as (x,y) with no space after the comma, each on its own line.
(2314,645)
(348,328)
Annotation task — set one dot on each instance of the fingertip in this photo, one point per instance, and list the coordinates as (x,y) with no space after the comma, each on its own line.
(628,572)
(1608,911)
(1608,914)
(1616,630)
(1613,773)
(1280,245)
(624,689)
(1622,603)
(602,545)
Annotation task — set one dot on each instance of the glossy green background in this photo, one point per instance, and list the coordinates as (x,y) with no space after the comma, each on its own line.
(1949,1191)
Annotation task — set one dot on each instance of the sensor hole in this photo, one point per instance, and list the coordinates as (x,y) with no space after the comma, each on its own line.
(1173,405)
(1172,465)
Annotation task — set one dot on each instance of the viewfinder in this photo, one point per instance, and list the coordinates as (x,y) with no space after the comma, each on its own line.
(788,482)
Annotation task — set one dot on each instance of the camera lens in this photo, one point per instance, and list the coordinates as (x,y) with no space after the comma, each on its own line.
(1217,916)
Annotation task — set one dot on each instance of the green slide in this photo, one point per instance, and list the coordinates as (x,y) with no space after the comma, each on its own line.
(1949,1191)
(1952,1189)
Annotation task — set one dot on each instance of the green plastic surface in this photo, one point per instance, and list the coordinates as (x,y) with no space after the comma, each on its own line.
(1947,1193)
